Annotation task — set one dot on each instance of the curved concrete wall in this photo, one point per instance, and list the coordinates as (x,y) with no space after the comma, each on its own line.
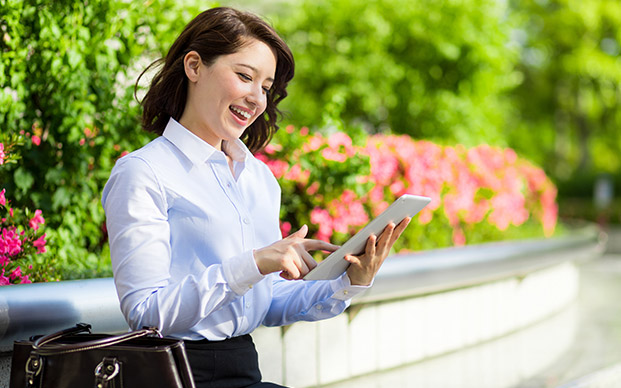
(421,306)
(385,335)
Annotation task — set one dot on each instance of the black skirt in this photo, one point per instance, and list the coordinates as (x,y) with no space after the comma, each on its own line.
(232,363)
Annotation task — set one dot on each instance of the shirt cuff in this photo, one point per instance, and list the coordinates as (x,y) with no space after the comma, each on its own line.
(241,272)
(343,289)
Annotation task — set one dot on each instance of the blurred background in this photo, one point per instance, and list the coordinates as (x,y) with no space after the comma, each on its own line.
(539,77)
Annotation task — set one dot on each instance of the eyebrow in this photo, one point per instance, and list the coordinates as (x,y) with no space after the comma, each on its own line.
(270,79)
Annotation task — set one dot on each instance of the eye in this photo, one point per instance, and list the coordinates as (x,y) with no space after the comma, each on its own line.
(266,90)
(245,77)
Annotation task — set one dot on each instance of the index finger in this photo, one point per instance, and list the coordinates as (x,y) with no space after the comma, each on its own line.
(315,245)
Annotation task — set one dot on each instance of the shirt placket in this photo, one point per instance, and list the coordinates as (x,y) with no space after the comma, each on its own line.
(232,190)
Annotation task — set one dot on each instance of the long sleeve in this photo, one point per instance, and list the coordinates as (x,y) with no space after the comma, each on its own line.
(309,301)
(139,234)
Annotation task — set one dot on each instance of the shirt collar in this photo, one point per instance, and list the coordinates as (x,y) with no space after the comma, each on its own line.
(198,150)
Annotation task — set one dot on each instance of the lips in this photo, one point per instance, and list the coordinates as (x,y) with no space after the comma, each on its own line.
(240,113)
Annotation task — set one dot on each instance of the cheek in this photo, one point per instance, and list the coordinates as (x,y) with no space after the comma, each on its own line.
(263,106)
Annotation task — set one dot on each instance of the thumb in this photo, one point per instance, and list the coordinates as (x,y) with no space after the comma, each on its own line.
(300,233)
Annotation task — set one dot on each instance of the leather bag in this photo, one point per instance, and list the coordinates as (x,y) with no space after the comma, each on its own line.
(69,358)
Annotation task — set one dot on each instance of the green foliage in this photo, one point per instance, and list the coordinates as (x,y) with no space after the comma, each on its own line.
(67,70)
(442,70)
(430,69)
(566,111)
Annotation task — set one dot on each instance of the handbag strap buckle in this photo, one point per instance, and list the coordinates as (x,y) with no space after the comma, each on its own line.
(105,371)
(33,368)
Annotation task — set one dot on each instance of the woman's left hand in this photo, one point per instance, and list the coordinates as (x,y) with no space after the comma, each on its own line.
(364,267)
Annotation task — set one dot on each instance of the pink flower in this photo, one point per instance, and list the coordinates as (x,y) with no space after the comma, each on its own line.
(332,154)
(10,244)
(314,143)
(338,139)
(459,238)
(425,216)
(322,218)
(271,148)
(2,154)
(296,173)
(312,189)
(262,157)
(4,281)
(285,228)
(36,220)
(347,213)
(377,193)
(397,188)
(36,140)
(40,244)
(278,167)
(16,273)
(2,197)
(379,208)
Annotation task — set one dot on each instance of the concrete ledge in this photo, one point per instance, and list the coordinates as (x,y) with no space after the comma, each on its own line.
(421,306)
(385,335)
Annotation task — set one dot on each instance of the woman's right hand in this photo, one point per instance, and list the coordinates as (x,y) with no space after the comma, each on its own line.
(290,256)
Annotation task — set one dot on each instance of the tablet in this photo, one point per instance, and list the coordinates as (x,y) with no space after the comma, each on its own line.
(335,264)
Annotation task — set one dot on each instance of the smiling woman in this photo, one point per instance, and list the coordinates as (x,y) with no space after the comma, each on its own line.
(193,216)
(236,87)
(211,35)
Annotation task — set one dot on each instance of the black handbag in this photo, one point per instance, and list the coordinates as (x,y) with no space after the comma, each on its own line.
(68,359)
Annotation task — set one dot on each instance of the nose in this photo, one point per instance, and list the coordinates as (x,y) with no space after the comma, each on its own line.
(257,97)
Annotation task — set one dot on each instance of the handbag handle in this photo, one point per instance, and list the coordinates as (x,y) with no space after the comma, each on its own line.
(79,328)
(44,347)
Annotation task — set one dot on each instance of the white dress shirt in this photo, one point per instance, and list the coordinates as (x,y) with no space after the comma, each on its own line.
(182,228)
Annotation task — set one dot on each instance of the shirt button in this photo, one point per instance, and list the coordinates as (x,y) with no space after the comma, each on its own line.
(345,292)
(318,307)
(250,286)
(228,185)
(247,305)
(246,221)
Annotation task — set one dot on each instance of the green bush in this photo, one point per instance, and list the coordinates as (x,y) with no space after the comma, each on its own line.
(437,70)
(430,69)
(567,114)
(66,80)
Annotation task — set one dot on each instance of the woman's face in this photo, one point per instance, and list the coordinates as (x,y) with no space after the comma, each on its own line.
(227,96)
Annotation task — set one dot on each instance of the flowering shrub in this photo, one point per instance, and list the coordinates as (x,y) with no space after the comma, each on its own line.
(336,184)
(22,236)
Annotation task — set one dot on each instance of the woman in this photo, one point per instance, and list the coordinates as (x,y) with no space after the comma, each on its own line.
(193,216)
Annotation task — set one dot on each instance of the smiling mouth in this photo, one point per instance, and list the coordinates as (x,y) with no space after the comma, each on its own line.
(240,113)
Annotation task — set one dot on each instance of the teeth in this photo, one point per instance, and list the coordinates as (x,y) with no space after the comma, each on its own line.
(241,112)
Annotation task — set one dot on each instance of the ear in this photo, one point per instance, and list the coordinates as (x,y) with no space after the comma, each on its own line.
(192,64)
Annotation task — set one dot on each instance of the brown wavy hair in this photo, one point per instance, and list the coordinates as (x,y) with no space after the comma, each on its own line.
(215,32)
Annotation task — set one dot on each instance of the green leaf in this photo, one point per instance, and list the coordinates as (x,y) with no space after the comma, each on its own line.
(23,179)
